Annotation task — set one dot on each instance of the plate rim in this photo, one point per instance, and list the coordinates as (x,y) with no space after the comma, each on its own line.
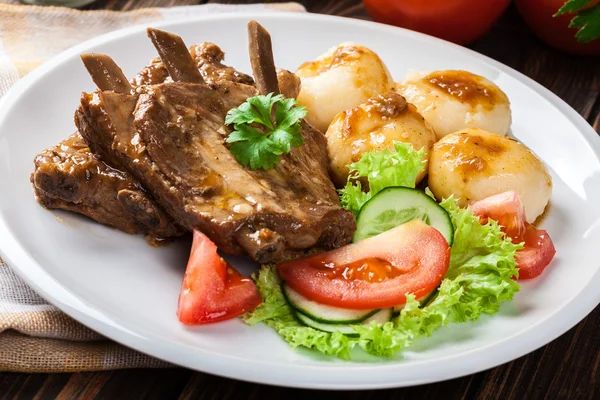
(339,378)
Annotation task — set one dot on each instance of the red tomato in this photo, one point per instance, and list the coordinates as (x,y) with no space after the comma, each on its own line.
(537,254)
(555,30)
(507,209)
(212,289)
(377,272)
(460,21)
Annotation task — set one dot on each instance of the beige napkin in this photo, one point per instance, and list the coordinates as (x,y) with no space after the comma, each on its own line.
(34,335)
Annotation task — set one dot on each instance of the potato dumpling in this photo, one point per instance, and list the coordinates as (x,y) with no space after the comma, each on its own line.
(473,164)
(374,125)
(455,100)
(343,78)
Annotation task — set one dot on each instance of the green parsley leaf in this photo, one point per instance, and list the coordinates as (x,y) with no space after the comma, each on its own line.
(587,20)
(256,149)
(252,148)
(572,6)
(287,116)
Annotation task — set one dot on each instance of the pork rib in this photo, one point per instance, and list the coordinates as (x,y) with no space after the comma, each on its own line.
(70,177)
(171,137)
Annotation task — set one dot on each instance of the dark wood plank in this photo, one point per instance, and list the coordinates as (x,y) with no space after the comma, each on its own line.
(151,384)
(574,79)
(52,386)
(594,117)
(567,368)
(85,385)
(10,384)
(31,386)
(562,369)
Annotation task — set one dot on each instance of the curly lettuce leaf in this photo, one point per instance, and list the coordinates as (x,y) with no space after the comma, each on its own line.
(382,169)
(276,313)
(482,264)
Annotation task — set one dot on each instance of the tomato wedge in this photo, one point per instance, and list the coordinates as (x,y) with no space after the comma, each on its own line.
(536,255)
(377,272)
(212,289)
(507,209)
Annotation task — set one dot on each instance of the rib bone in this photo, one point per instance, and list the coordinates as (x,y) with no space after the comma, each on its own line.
(175,56)
(261,58)
(106,73)
(171,138)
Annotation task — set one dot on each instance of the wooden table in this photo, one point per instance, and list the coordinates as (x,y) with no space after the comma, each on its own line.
(567,368)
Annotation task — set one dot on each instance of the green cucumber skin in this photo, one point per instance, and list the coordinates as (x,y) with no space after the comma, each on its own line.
(429,298)
(330,322)
(316,318)
(447,230)
(426,301)
(343,328)
(306,321)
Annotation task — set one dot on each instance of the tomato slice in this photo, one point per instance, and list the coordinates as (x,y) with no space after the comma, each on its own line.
(537,254)
(213,290)
(377,272)
(507,209)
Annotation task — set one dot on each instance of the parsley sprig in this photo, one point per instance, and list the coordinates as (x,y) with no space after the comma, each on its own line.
(257,149)
(587,20)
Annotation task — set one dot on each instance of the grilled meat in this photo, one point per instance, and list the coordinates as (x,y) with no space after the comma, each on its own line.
(171,137)
(69,177)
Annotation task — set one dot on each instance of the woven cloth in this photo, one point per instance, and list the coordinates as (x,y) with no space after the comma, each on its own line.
(36,336)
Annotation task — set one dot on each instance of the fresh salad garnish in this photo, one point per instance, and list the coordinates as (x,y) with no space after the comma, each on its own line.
(277,135)
(508,210)
(376,272)
(323,313)
(397,205)
(479,279)
(213,290)
(382,169)
(332,302)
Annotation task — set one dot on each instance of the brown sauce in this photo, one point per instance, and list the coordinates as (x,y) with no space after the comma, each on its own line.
(155,241)
(389,105)
(466,87)
(543,215)
(340,56)
(381,107)
(466,151)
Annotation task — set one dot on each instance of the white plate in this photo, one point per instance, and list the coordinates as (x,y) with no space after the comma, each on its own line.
(122,288)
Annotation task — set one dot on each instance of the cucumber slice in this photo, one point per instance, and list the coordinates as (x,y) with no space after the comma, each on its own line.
(380,317)
(423,302)
(322,313)
(395,206)
(429,298)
